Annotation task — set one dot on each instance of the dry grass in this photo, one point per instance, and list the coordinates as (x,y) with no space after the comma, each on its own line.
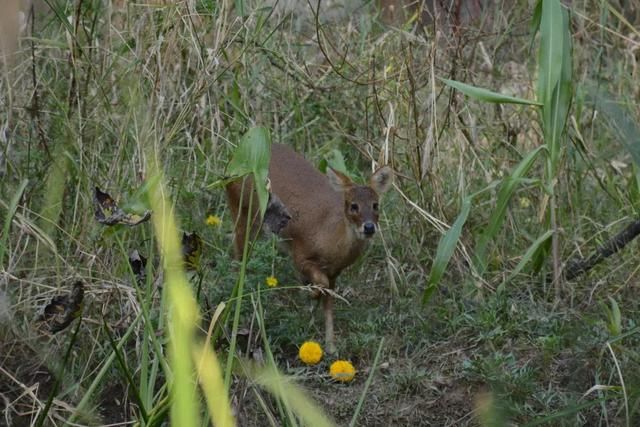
(83,97)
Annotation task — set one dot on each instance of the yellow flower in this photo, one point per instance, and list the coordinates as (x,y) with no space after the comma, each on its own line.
(310,352)
(524,202)
(213,220)
(342,370)
(271,281)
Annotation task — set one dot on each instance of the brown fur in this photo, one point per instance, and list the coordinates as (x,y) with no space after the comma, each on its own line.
(331,222)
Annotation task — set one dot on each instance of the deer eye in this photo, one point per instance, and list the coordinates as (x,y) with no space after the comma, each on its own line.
(375,206)
(354,207)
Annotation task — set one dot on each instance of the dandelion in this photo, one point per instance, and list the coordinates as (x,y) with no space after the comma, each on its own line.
(524,202)
(213,220)
(342,370)
(310,352)
(271,281)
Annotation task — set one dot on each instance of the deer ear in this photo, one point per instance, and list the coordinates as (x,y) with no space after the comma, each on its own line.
(382,179)
(338,180)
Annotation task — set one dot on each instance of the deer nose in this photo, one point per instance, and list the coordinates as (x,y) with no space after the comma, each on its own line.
(369,228)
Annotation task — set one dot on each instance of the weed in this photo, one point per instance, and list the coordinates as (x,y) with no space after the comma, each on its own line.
(96,95)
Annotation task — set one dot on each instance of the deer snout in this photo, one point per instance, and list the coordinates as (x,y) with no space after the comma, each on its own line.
(369,228)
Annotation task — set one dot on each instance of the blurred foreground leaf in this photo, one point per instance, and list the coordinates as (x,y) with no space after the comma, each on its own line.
(290,393)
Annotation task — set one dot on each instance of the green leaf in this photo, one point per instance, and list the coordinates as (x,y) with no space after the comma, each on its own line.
(487,95)
(566,412)
(54,192)
(614,317)
(445,250)
(11,210)
(557,110)
(235,100)
(505,193)
(528,256)
(540,255)
(335,160)
(367,384)
(551,49)
(252,156)
(241,8)
(535,21)
(619,117)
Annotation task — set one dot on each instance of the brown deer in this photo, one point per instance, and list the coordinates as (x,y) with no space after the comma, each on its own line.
(332,219)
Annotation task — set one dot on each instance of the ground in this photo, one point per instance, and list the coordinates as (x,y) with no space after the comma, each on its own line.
(101,95)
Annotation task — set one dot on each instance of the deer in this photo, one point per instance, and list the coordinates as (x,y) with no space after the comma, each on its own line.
(331,220)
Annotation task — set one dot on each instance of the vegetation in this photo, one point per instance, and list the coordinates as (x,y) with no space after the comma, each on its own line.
(513,132)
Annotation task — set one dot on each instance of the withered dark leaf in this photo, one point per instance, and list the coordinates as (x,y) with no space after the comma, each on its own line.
(60,312)
(107,211)
(138,265)
(192,245)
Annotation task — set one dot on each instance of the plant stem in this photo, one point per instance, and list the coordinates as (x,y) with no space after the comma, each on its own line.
(555,246)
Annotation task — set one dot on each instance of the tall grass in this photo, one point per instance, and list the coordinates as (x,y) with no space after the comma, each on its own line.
(554,99)
(191,359)
(182,310)
(153,102)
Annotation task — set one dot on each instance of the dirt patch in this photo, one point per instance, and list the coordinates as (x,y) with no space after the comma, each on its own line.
(114,405)
(25,384)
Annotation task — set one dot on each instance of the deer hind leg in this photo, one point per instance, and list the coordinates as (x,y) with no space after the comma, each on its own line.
(318,278)
(238,200)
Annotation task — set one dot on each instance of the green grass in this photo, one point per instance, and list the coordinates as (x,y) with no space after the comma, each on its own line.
(102,97)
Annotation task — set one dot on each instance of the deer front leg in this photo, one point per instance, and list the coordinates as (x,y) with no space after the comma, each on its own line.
(327,308)
(318,278)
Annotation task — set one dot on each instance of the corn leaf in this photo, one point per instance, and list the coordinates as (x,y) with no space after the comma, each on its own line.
(535,22)
(487,95)
(560,101)
(528,256)
(505,193)
(446,246)
(551,49)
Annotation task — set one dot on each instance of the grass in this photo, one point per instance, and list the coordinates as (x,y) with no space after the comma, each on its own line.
(103,96)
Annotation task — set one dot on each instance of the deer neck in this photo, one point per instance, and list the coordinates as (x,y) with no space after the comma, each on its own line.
(347,245)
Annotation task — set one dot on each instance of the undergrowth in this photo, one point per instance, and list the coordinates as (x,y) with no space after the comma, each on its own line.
(98,94)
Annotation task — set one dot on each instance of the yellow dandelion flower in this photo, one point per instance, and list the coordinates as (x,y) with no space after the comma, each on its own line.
(524,202)
(271,281)
(310,352)
(342,370)
(213,220)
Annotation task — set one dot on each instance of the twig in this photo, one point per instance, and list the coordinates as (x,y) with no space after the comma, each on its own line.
(35,102)
(580,265)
